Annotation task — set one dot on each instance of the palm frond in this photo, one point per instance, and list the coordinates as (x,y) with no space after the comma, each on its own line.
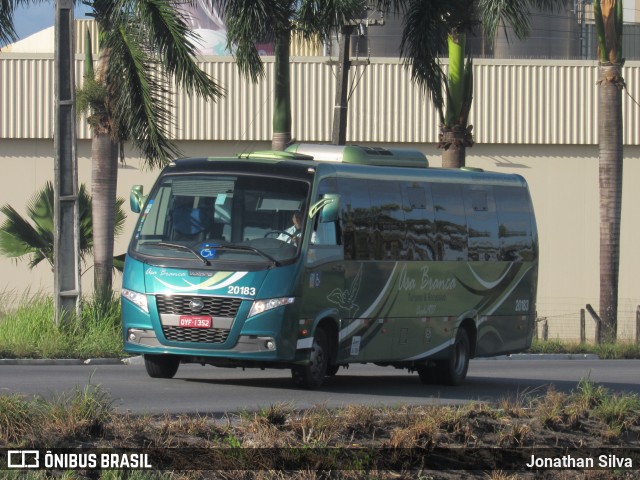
(138,95)
(7,29)
(315,18)
(249,23)
(148,46)
(517,15)
(19,238)
(40,208)
(169,37)
(88,56)
(424,36)
(397,8)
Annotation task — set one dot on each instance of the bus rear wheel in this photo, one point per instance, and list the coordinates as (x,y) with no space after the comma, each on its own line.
(453,370)
(311,376)
(161,366)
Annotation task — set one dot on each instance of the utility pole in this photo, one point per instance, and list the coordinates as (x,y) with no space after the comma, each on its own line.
(339,132)
(340,110)
(66,237)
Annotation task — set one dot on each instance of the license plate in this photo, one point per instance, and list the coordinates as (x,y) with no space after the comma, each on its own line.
(191,321)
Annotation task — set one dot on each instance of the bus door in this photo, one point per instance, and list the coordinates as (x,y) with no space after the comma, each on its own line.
(323,282)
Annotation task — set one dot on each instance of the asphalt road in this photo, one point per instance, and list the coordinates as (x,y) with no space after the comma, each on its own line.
(218,390)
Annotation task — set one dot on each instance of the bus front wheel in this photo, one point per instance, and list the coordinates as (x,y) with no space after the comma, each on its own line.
(161,366)
(311,376)
(453,370)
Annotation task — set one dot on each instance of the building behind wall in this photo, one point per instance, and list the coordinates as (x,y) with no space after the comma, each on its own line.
(568,34)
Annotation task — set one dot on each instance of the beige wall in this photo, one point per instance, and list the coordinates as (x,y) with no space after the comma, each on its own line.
(563,182)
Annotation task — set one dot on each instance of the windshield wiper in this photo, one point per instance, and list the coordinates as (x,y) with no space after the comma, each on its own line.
(177,246)
(246,248)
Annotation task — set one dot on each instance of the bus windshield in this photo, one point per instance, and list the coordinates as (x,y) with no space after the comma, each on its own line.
(209,218)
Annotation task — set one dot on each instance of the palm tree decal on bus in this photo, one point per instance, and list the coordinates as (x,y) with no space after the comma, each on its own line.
(346,298)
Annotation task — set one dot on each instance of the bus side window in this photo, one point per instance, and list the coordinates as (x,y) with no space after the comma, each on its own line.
(515,231)
(419,222)
(357,219)
(451,222)
(326,233)
(389,229)
(482,222)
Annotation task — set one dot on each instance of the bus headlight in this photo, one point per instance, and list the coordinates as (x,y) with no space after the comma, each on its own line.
(136,298)
(260,306)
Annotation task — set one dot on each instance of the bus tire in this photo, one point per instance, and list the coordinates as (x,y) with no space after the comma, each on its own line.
(453,370)
(311,376)
(161,366)
(332,370)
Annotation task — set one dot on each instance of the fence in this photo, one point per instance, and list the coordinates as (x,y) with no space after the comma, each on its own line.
(587,322)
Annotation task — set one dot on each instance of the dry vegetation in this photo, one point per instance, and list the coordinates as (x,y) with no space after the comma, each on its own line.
(414,440)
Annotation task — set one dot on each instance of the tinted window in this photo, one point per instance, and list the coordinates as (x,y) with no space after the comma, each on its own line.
(482,223)
(388,220)
(514,216)
(357,219)
(451,225)
(326,233)
(420,237)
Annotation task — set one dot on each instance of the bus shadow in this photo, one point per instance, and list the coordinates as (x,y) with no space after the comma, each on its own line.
(475,388)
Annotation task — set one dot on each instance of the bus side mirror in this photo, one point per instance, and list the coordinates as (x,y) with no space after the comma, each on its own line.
(136,198)
(328,207)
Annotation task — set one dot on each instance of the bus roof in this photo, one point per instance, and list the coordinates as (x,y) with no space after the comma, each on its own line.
(304,166)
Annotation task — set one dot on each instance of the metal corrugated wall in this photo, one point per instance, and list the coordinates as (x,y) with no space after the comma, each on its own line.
(526,102)
(539,103)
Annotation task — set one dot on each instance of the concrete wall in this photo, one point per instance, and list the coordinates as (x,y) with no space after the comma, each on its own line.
(563,182)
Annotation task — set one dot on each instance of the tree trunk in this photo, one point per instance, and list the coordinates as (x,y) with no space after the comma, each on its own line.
(104,181)
(610,150)
(455,137)
(453,141)
(282,92)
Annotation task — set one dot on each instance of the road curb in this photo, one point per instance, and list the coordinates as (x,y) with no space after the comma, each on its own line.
(61,361)
(139,360)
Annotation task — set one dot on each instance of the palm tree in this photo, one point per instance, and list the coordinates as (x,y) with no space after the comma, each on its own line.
(608,20)
(431,26)
(21,238)
(7,30)
(144,45)
(249,23)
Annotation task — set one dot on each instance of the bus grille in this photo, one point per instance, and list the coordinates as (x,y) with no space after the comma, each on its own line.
(213,306)
(197,335)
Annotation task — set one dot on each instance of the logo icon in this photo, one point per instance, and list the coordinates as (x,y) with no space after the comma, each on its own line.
(196,305)
(208,250)
(23,459)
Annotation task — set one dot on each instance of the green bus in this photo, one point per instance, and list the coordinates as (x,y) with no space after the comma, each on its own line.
(323,256)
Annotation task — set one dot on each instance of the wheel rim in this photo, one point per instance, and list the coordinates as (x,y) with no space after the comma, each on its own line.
(318,359)
(459,358)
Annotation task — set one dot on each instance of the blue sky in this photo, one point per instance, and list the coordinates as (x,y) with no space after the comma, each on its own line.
(36,17)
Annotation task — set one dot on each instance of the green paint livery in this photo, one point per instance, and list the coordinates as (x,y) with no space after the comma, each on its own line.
(410,267)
